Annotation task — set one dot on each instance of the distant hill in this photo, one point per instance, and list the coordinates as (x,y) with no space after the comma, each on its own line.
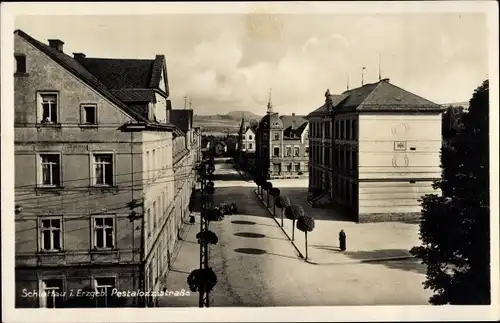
(240,114)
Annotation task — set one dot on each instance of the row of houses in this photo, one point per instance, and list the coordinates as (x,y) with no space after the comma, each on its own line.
(103,175)
(373,151)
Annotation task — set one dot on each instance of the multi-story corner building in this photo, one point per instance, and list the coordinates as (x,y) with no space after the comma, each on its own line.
(94,169)
(282,145)
(385,146)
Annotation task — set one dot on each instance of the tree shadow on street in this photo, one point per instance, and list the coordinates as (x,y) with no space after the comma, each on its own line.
(255,235)
(256,251)
(372,256)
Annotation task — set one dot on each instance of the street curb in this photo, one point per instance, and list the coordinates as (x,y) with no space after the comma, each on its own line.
(301,256)
(239,172)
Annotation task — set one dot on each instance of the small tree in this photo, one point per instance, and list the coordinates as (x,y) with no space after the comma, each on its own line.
(275,192)
(305,224)
(294,212)
(282,202)
(268,186)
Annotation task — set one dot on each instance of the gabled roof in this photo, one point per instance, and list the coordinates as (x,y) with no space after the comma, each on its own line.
(293,124)
(127,73)
(113,93)
(323,110)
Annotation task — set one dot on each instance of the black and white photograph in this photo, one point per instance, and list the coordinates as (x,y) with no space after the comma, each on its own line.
(272,161)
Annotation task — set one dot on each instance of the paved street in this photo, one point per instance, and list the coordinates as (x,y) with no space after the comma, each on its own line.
(258,266)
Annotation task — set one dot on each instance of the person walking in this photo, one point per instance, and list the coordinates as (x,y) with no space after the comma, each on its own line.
(342,240)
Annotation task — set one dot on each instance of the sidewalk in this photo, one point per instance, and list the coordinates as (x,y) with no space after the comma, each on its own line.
(369,242)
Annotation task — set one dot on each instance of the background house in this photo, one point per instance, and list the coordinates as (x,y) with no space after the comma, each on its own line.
(282,145)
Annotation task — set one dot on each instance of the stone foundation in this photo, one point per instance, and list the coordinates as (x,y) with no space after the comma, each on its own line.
(390,217)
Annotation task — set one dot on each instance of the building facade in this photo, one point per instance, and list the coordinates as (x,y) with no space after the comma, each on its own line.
(385,147)
(94,172)
(246,137)
(282,145)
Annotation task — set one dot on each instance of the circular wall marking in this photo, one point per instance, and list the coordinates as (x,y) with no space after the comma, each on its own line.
(400,161)
(400,129)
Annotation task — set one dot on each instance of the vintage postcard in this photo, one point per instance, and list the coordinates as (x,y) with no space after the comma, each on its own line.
(271,161)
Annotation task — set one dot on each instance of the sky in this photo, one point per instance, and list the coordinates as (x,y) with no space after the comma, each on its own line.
(229,62)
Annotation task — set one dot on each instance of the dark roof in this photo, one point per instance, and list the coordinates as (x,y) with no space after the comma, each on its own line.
(270,119)
(384,96)
(135,95)
(293,124)
(127,73)
(380,96)
(182,118)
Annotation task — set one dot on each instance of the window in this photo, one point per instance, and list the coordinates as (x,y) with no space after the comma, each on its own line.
(250,137)
(307,151)
(50,234)
(296,151)
(288,151)
(154,164)
(52,293)
(49,108)
(243,146)
(104,286)
(297,167)
(20,64)
(151,273)
(250,146)
(89,114)
(154,215)
(50,169)
(289,167)
(276,152)
(103,169)
(104,233)
(150,221)
(276,136)
(277,167)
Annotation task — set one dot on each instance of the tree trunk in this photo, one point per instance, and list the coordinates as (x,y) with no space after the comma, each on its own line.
(274,208)
(282,211)
(267,195)
(306,244)
(293,229)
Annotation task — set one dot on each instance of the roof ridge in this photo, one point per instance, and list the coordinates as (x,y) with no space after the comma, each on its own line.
(120,59)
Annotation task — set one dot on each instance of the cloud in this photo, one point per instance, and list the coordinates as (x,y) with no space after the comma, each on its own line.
(228,62)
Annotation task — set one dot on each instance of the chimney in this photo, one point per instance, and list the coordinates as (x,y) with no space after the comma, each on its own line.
(293,123)
(293,114)
(56,44)
(385,80)
(79,56)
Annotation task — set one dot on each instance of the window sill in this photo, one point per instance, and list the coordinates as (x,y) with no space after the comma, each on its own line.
(49,189)
(21,74)
(96,250)
(51,253)
(104,188)
(39,126)
(88,126)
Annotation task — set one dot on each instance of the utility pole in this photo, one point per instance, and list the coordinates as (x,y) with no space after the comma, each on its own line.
(206,204)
